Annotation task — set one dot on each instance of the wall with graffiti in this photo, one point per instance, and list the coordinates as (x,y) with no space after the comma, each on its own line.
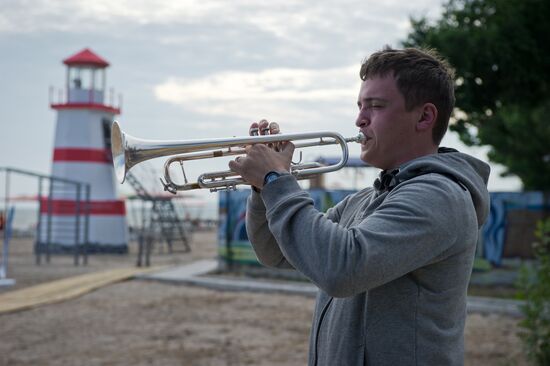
(233,244)
(508,231)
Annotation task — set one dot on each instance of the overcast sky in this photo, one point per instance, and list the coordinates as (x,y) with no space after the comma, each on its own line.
(198,68)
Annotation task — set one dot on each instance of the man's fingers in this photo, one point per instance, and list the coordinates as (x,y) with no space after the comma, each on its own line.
(254,129)
(263,125)
(235,165)
(274,128)
(288,147)
(232,165)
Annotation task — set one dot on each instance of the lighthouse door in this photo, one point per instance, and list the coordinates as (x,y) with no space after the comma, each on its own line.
(107,137)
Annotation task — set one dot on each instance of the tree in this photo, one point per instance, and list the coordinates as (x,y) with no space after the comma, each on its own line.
(501,55)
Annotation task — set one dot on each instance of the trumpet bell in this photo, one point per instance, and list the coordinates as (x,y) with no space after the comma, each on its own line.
(118,150)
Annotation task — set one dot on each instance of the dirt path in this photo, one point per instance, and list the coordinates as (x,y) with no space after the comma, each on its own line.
(150,323)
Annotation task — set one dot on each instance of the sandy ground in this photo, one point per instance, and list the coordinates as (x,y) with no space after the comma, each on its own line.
(150,323)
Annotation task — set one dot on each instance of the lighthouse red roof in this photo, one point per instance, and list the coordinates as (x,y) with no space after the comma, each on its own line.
(86,57)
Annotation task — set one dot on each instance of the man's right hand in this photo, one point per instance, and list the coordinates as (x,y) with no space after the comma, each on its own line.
(264,127)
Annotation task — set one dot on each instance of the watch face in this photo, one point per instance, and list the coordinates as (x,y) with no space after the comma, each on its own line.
(270,177)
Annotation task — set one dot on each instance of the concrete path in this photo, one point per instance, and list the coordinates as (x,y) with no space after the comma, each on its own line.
(65,289)
(196,274)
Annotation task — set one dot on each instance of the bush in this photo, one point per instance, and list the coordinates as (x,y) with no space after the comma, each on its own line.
(534,283)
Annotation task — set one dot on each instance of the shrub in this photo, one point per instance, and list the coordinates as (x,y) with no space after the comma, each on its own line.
(534,283)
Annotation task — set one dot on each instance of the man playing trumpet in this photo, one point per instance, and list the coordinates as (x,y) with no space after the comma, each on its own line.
(392,261)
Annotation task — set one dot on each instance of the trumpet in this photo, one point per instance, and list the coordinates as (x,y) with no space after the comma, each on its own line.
(128,151)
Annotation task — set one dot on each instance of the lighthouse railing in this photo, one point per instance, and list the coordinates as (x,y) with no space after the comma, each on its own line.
(81,97)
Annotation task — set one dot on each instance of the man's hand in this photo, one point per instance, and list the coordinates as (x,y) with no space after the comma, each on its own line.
(261,158)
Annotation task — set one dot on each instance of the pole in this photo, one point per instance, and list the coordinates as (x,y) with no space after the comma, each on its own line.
(49,216)
(39,224)
(87,224)
(7,234)
(77,226)
(7,219)
(228,248)
(5,213)
(7,193)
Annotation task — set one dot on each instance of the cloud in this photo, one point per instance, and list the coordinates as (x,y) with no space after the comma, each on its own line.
(28,16)
(291,20)
(283,93)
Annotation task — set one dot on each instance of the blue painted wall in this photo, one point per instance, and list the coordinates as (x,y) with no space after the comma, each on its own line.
(233,244)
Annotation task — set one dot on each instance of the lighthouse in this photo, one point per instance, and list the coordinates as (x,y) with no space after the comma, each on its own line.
(82,152)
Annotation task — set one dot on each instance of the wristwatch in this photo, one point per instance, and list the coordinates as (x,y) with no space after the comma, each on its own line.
(271,176)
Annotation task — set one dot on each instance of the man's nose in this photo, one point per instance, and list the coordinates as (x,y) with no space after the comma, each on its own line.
(362,119)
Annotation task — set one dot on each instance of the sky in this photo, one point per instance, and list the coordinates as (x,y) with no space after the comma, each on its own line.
(193,69)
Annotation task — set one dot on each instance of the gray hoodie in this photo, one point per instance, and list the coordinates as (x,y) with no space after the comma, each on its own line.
(392,264)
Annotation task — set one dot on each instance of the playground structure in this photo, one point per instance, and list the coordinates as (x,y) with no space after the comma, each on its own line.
(159,222)
(79,211)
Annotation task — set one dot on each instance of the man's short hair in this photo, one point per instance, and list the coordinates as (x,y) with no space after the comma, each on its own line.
(422,76)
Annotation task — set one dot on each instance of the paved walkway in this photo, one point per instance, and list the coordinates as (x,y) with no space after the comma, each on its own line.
(196,274)
(65,289)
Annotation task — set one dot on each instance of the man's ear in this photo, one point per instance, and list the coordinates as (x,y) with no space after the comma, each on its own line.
(428,116)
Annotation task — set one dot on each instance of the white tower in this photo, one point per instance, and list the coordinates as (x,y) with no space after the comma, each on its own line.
(82,152)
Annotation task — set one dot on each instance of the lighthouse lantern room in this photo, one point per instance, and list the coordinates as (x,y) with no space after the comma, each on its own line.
(82,152)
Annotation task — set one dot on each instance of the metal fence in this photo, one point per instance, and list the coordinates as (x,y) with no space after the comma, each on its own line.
(56,233)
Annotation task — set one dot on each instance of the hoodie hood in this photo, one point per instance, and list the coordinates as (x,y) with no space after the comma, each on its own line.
(470,173)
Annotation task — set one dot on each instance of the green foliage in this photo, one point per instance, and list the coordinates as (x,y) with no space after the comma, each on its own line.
(481,265)
(534,286)
(500,51)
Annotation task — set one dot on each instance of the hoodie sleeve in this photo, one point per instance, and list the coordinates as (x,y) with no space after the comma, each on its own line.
(264,243)
(418,222)
(265,246)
